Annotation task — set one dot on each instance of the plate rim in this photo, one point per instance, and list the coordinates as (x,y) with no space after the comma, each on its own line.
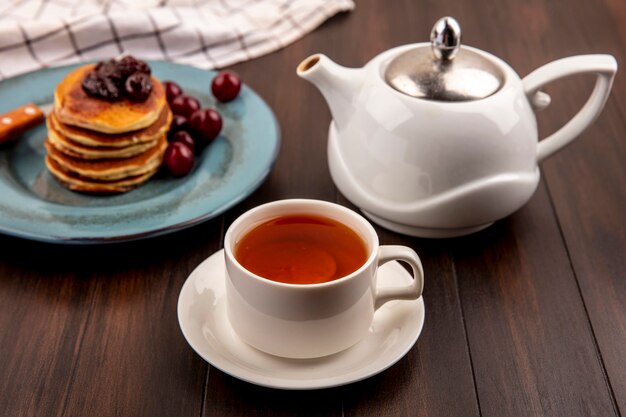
(94,238)
(269,381)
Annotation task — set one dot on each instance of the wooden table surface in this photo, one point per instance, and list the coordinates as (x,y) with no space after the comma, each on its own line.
(526,318)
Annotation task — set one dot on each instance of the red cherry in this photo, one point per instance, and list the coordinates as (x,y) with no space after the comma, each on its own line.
(178,123)
(172,90)
(178,159)
(184,105)
(207,123)
(184,137)
(226,86)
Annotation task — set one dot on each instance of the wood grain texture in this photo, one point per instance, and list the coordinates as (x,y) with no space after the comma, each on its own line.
(587,184)
(526,318)
(438,367)
(94,329)
(18,121)
(531,345)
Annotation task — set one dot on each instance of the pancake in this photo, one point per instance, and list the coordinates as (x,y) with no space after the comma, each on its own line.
(110,169)
(92,138)
(74,107)
(77,150)
(77,183)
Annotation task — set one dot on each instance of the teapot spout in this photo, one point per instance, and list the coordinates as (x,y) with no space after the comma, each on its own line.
(337,84)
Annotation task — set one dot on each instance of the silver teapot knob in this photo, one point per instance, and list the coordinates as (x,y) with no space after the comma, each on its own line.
(445,38)
(429,71)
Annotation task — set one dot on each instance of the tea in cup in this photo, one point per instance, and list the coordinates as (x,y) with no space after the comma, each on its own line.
(301,277)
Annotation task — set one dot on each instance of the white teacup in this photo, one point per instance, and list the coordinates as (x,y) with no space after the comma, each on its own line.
(310,320)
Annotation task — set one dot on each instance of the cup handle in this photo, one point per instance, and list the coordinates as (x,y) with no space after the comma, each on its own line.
(604,66)
(410,292)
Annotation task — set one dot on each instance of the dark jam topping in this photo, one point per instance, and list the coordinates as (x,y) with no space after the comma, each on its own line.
(115,79)
(138,86)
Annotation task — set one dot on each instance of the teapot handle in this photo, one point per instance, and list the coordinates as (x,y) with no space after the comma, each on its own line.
(604,66)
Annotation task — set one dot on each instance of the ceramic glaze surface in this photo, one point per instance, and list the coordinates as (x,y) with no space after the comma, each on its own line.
(402,149)
(344,328)
(35,206)
(204,323)
(310,320)
(438,168)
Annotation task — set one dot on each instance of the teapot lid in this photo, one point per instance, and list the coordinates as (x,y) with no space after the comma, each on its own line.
(445,71)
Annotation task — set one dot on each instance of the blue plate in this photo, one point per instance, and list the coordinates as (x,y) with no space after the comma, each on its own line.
(34,206)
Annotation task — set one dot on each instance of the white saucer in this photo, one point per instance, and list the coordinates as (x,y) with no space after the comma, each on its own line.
(203,321)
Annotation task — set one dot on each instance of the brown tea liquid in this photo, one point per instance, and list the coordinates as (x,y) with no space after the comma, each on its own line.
(301,249)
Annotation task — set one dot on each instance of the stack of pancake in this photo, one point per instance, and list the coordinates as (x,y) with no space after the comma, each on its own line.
(100,146)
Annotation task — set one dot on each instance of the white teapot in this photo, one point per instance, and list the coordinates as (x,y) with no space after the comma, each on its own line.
(438,139)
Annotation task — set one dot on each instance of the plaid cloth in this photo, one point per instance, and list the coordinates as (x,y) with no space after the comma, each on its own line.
(36,34)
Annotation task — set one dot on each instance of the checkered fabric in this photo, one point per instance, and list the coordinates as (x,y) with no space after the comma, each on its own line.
(36,34)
